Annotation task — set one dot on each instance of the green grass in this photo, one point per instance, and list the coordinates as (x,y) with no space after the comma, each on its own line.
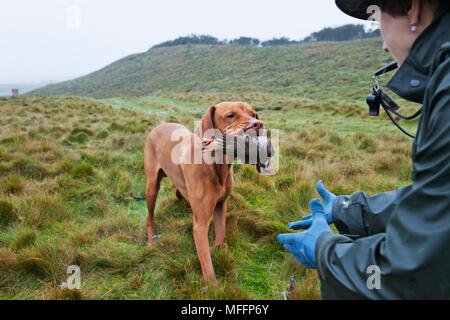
(68,165)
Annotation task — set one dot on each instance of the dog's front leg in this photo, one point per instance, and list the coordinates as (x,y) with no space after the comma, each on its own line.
(220,218)
(202,219)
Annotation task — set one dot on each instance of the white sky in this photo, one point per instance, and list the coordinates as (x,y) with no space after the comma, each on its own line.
(37,44)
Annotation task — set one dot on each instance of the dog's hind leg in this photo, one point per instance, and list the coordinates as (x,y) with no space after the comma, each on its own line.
(154,175)
(220,217)
(151,193)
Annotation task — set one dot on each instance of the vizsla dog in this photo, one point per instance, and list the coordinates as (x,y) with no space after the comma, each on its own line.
(206,186)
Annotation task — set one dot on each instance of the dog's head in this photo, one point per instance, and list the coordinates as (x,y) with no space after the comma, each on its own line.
(232,119)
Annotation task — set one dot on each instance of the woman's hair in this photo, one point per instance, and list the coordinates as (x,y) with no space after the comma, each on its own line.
(397,7)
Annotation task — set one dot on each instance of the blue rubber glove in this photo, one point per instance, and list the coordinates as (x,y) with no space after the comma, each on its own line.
(328,199)
(302,245)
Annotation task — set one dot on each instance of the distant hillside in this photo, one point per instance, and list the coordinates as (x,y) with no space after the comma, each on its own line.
(323,70)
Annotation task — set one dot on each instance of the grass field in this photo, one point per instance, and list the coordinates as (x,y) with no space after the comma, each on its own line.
(68,165)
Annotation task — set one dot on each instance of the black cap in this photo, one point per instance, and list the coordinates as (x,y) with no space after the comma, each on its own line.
(356,8)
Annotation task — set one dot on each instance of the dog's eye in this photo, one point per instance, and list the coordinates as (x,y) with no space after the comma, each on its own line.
(230,116)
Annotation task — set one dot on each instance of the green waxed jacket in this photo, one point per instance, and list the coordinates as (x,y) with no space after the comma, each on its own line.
(405,232)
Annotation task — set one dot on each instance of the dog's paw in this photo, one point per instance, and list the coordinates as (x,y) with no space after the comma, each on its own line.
(219,245)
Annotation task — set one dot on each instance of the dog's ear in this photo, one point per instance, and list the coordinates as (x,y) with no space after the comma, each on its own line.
(206,123)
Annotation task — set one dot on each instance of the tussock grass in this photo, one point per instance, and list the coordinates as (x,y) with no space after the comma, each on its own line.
(7,213)
(68,165)
(25,238)
(67,294)
(83,170)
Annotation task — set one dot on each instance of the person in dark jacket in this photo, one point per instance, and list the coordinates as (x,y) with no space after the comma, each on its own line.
(394,245)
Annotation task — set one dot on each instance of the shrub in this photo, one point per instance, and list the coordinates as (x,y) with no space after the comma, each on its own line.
(24,239)
(114,126)
(285,182)
(80,137)
(3,168)
(7,213)
(83,170)
(103,134)
(76,131)
(7,262)
(29,167)
(336,140)
(64,165)
(368,144)
(223,261)
(13,184)
(42,210)
(64,294)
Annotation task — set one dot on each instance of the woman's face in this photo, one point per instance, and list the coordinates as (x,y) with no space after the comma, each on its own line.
(397,35)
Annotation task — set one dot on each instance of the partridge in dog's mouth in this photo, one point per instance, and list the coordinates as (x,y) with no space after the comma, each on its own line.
(248,149)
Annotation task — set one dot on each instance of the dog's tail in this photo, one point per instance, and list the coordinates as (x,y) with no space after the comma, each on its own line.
(136,198)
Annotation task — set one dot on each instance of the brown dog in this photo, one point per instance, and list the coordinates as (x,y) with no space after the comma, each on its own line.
(205,186)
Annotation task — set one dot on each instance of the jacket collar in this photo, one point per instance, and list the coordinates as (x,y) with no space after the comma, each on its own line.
(411,79)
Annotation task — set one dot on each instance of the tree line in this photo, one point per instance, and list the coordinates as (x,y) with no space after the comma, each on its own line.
(342,33)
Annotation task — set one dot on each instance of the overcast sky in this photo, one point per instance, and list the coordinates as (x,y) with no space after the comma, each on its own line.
(43,40)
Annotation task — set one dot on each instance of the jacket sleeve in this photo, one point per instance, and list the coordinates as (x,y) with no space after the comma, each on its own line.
(413,251)
(360,215)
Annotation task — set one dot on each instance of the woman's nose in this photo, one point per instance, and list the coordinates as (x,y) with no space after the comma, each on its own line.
(385,48)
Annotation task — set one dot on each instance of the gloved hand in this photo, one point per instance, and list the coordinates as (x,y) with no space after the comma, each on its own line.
(302,245)
(328,199)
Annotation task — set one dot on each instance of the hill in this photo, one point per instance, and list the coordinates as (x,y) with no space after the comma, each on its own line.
(322,70)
